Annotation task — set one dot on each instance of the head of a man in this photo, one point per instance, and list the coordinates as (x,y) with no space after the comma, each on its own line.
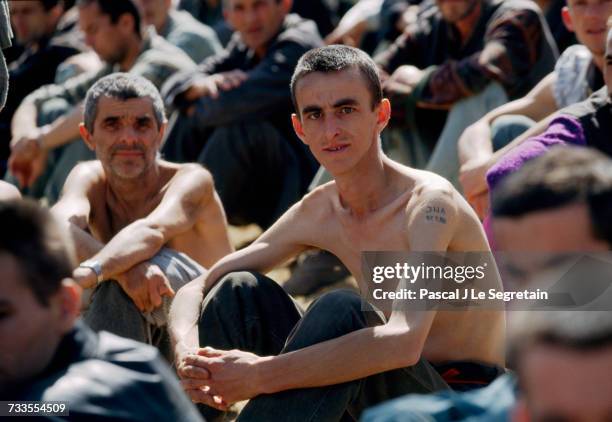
(124,122)
(561,201)
(33,20)
(587,19)
(257,21)
(564,361)
(453,11)
(155,12)
(340,110)
(111,27)
(38,300)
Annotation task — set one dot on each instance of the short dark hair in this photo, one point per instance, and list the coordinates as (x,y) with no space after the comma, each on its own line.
(570,329)
(50,4)
(562,176)
(45,254)
(115,8)
(122,86)
(335,58)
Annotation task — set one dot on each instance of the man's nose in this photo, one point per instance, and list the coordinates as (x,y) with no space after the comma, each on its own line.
(129,135)
(332,128)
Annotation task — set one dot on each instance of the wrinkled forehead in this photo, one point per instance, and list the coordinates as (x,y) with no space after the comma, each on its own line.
(124,108)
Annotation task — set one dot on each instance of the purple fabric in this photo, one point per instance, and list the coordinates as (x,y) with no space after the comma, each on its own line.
(563,130)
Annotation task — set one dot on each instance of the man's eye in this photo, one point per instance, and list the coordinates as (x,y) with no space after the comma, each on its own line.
(314,116)
(347,110)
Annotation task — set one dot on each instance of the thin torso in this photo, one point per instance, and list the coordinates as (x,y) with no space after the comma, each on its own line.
(474,335)
(205,242)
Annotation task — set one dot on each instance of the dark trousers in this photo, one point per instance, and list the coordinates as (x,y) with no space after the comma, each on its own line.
(248,311)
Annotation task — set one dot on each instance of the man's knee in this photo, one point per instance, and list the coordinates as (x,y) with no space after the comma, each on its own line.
(332,315)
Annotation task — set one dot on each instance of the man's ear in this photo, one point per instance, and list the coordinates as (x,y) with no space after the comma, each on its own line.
(69,304)
(384,114)
(297,127)
(126,23)
(86,137)
(287,5)
(566,17)
(162,132)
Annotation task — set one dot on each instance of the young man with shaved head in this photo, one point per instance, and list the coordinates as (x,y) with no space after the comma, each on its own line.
(336,358)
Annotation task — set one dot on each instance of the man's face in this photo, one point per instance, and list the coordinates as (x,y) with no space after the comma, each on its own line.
(455,10)
(155,12)
(126,137)
(539,251)
(30,21)
(105,38)
(539,231)
(587,18)
(336,119)
(29,331)
(566,385)
(257,21)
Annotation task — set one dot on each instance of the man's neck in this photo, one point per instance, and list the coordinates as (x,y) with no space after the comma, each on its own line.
(365,188)
(466,25)
(599,62)
(134,193)
(133,50)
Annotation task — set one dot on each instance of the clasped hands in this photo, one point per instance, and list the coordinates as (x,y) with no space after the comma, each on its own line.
(218,378)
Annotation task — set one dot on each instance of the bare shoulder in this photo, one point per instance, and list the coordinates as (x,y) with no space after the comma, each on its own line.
(189,178)
(8,192)
(318,203)
(85,177)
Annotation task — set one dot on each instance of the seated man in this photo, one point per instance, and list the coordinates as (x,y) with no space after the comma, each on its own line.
(587,123)
(35,23)
(338,358)
(465,57)
(553,205)
(48,355)
(142,226)
(234,114)
(181,29)
(46,124)
(577,74)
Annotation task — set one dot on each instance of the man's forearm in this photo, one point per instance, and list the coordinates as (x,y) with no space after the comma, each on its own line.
(24,119)
(353,356)
(85,244)
(185,312)
(63,130)
(134,244)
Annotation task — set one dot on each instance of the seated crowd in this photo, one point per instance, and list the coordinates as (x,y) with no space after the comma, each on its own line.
(139,136)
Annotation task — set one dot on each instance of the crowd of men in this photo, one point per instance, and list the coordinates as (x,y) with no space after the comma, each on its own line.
(136,132)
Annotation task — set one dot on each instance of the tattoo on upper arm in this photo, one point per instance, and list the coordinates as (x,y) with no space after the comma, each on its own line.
(435,214)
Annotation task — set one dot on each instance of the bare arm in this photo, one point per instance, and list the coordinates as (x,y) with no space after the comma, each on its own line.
(280,242)
(74,207)
(189,191)
(475,142)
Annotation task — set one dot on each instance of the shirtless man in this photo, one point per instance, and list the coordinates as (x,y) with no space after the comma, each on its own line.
(374,204)
(142,226)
